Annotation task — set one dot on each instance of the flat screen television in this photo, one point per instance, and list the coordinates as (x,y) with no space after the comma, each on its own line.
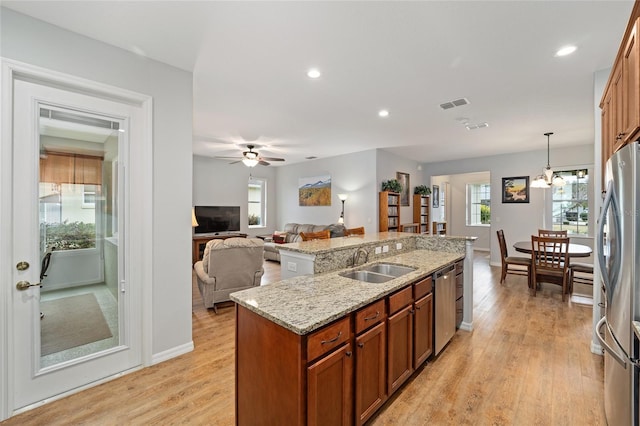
(217,219)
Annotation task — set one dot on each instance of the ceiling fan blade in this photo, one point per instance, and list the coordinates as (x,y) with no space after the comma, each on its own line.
(263,163)
(227,158)
(272,159)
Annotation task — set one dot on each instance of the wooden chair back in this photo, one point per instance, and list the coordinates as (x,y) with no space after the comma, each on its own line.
(354,231)
(551,233)
(550,261)
(320,235)
(503,245)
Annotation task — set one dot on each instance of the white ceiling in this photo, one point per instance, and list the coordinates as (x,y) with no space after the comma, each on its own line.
(249,62)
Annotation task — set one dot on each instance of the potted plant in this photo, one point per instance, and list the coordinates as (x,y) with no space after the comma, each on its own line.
(392,185)
(422,190)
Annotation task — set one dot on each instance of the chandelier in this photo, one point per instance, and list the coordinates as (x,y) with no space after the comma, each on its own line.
(548,177)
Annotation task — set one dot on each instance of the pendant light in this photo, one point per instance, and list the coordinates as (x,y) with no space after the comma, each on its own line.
(548,177)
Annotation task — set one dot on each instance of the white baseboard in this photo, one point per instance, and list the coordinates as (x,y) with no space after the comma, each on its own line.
(172,353)
(466,326)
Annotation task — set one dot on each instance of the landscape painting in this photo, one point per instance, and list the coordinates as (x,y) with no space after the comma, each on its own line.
(314,191)
(515,189)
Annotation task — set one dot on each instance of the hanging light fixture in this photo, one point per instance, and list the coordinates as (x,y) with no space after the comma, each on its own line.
(250,158)
(548,177)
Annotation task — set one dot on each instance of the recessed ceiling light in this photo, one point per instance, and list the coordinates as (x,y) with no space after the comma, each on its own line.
(566,50)
(383,113)
(313,73)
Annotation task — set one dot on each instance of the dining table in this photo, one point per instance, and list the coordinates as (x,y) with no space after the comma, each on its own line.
(575,250)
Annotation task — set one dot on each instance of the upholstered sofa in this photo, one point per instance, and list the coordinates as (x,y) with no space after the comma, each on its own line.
(291,234)
(227,266)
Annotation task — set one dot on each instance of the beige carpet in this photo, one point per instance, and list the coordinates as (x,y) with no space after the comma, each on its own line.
(71,321)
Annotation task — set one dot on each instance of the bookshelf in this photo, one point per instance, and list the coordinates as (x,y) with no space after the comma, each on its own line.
(439,228)
(389,212)
(421,204)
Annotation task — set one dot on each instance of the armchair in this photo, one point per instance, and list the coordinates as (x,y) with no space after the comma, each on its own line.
(228,266)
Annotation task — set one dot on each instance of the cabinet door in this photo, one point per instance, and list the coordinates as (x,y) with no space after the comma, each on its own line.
(400,348)
(423,330)
(370,372)
(617,107)
(329,389)
(631,74)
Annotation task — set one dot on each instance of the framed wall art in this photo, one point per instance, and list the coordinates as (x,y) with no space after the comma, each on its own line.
(435,191)
(515,189)
(403,178)
(314,191)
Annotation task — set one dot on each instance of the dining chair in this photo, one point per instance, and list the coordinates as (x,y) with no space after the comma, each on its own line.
(551,233)
(354,231)
(550,262)
(320,235)
(512,264)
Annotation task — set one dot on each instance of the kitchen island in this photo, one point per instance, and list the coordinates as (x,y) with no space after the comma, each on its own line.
(323,348)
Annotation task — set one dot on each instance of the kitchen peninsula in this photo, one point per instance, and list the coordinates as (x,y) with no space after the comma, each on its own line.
(318,348)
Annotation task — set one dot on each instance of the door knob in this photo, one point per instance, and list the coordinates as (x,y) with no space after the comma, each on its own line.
(23,285)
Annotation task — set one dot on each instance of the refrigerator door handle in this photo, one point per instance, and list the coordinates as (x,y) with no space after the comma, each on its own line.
(609,277)
(622,361)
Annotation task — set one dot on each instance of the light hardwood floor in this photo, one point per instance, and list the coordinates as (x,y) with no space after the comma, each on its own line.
(526,362)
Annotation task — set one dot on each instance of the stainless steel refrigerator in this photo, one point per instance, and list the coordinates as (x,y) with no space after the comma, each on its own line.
(619,261)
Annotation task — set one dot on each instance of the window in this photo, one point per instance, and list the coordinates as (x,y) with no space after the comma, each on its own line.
(478,204)
(570,203)
(257,206)
(89,197)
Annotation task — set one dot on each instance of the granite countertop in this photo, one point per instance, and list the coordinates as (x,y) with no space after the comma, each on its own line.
(306,303)
(323,246)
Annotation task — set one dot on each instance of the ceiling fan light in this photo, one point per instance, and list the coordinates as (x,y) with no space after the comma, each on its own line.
(250,162)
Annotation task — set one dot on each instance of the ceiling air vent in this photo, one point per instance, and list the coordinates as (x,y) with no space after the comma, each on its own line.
(453,104)
(476,126)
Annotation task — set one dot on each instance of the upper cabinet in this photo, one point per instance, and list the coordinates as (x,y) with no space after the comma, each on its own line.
(621,100)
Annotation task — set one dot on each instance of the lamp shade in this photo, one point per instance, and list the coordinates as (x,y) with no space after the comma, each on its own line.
(194,221)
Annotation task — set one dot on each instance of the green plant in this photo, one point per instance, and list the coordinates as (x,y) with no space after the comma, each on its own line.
(422,190)
(254,219)
(392,185)
(485,214)
(70,236)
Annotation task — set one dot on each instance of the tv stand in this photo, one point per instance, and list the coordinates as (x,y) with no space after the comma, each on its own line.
(201,240)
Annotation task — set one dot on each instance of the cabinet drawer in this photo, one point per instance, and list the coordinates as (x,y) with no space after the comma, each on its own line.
(459,266)
(370,315)
(459,285)
(328,338)
(422,288)
(400,299)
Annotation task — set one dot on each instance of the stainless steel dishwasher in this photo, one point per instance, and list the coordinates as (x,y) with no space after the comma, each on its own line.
(444,323)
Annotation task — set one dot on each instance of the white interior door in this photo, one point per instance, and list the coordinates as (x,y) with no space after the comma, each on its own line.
(43,200)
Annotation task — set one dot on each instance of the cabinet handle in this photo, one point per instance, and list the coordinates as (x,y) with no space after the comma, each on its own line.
(411,311)
(373,317)
(332,340)
(418,307)
(361,345)
(348,353)
(620,135)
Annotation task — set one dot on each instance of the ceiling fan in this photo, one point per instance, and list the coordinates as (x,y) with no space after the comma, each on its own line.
(252,158)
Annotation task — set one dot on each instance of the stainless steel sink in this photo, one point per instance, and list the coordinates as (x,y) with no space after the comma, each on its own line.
(389,269)
(378,273)
(367,276)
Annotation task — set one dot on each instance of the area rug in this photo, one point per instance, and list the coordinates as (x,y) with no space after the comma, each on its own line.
(71,321)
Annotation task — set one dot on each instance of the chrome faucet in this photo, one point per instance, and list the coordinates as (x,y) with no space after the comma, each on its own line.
(357,254)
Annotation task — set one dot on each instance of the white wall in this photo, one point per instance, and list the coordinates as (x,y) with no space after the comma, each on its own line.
(352,174)
(519,221)
(35,42)
(387,166)
(218,183)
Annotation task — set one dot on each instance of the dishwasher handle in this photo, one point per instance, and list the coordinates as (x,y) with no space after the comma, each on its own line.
(443,271)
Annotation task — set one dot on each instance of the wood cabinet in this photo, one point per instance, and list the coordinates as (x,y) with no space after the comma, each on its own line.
(371,360)
(439,228)
(621,100)
(340,374)
(459,292)
(329,392)
(421,204)
(389,211)
(62,168)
